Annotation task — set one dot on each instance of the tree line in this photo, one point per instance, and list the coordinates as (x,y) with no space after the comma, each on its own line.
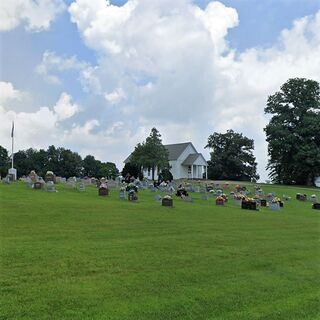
(63,162)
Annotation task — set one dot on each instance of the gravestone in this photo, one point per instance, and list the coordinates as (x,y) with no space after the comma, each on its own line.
(71,185)
(82,187)
(50,186)
(274,206)
(122,194)
(112,184)
(49,176)
(187,198)
(6,180)
(269,197)
(157,198)
(29,183)
(314,199)
(132,196)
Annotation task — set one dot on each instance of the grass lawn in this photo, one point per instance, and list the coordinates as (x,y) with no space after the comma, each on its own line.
(72,255)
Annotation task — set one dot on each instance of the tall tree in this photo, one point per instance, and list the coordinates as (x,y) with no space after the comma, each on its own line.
(293,133)
(108,170)
(132,169)
(231,157)
(151,154)
(4,161)
(91,166)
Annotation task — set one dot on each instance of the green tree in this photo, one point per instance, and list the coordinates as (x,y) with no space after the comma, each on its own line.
(108,170)
(91,166)
(53,157)
(293,133)
(151,154)
(165,175)
(4,161)
(21,163)
(231,157)
(132,169)
(70,163)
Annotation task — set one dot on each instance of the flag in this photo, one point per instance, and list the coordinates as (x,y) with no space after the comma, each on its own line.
(12,130)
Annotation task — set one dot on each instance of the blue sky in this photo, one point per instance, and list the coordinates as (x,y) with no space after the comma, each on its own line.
(188,68)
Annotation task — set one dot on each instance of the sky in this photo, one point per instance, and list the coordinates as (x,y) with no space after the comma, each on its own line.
(95,76)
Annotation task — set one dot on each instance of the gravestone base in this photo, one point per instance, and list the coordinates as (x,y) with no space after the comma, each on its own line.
(263,203)
(132,197)
(249,205)
(274,206)
(167,202)
(37,186)
(316,206)
(219,203)
(103,192)
(12,172)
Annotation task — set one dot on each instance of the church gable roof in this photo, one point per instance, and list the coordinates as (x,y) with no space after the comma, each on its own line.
(191,159)
(175,150)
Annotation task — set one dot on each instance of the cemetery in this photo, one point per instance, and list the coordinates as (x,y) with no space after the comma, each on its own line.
(132,250)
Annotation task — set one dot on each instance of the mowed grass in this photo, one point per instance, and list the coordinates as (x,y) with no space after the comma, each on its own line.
(72,255)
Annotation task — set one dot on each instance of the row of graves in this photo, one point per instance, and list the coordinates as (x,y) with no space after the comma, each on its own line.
(313,199)
(33,181)
(241,196)
(50,180)
(166,191)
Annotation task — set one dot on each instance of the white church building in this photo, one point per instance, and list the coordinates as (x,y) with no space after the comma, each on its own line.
(185,162)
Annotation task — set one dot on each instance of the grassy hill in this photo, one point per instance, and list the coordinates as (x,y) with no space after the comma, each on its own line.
(72,255)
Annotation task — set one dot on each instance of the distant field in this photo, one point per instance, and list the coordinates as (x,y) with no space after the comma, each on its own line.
(72,255)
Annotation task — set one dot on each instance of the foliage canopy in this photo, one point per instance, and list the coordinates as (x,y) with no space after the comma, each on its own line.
(293,133)
(231,157)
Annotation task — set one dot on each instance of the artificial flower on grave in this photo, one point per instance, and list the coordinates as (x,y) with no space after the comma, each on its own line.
(224,196)
(239,197)
(275,200)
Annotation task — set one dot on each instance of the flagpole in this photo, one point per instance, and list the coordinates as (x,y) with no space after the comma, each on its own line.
(12,144)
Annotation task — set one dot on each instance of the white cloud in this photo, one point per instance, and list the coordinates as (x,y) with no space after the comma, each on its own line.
(34,15)
(34,129)
(115,96)
(52,63)
(7,92)
(45,127)
(64,108)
